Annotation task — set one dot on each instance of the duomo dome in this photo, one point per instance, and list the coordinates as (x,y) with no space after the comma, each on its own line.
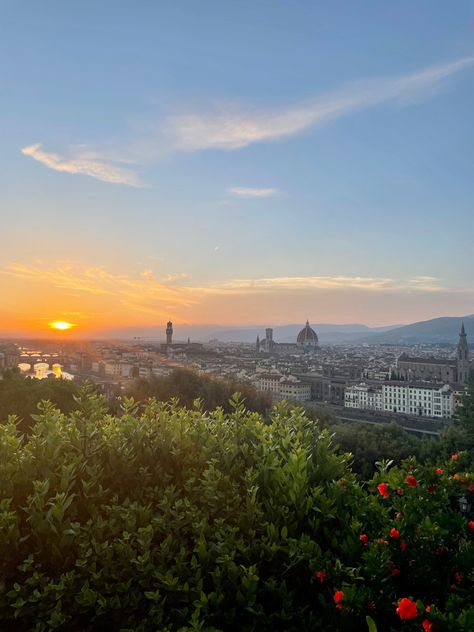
(307,338)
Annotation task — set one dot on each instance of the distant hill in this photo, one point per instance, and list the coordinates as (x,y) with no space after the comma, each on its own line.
(437,330)
(327,333)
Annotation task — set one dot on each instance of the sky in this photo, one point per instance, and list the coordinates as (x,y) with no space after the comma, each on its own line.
(236,163)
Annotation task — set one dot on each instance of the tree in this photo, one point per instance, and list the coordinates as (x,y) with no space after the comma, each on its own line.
(20,396)
(187,386)
(466,416)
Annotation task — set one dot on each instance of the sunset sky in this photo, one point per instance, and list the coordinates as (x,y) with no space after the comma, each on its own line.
(235,163)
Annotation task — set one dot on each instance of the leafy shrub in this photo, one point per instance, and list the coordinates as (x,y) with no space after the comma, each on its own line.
(166,518)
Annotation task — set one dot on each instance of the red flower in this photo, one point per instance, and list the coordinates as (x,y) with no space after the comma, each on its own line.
(394,533)
(321,575)
(454,457)
(456,476)
(428,608)
(395,571)
(400,491)
(431,488)
(338,598)
(407,609)
(411,480)
(470,525)
(403,546)
(457,576)
(471,487)
(427,625)
(439,471)
(364,538)
(371,606)
(383,490)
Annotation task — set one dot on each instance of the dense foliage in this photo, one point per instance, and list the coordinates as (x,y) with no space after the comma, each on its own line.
(186,386)
(165,518)
(466,417)
(20,396)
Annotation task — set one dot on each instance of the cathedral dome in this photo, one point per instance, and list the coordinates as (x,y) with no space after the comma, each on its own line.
(307,337)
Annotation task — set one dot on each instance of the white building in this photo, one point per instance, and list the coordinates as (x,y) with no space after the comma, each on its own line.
(294,390)
(363,397)
(118,369)
(269,383)
(144,372)
(281,387)
(422,399)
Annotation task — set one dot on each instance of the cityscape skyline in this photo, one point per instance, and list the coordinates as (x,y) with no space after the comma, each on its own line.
(234,165)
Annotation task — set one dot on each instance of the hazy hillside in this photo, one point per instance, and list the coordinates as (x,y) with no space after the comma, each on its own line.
(436,330)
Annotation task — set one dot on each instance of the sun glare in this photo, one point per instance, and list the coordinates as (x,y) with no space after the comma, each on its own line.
(61,325)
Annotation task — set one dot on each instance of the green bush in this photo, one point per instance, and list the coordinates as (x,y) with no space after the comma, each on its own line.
(166,518)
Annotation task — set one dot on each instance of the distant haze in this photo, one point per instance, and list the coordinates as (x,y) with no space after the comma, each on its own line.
(438,330)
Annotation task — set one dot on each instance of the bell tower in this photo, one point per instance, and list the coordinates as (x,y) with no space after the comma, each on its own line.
(462,357)
(169,333)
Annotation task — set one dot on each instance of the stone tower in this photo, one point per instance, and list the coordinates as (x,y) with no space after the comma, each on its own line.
(257,345)
(269,340)
(462,357)
(169,333)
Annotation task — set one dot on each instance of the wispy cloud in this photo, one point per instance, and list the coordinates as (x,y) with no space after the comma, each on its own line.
(306,283)
(377,284)
(233,127)
(102,299)
(146,285)
(84,166)
(141,293)
(248,192)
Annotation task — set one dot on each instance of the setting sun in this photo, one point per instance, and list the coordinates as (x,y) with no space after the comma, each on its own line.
(61,325)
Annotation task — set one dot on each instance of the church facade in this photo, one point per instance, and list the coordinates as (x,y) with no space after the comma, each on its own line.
(452,371)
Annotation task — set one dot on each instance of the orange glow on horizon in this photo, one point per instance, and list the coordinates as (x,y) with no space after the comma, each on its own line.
(61,325)
(104,302)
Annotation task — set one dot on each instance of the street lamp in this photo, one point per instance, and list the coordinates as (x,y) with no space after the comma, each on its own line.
(464,505)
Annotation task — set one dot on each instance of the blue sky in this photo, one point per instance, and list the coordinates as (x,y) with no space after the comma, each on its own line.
(248,162)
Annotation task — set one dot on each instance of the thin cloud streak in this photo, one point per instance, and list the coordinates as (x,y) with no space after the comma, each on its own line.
(233,129)
(88,167)
(248,192)
(272,284)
